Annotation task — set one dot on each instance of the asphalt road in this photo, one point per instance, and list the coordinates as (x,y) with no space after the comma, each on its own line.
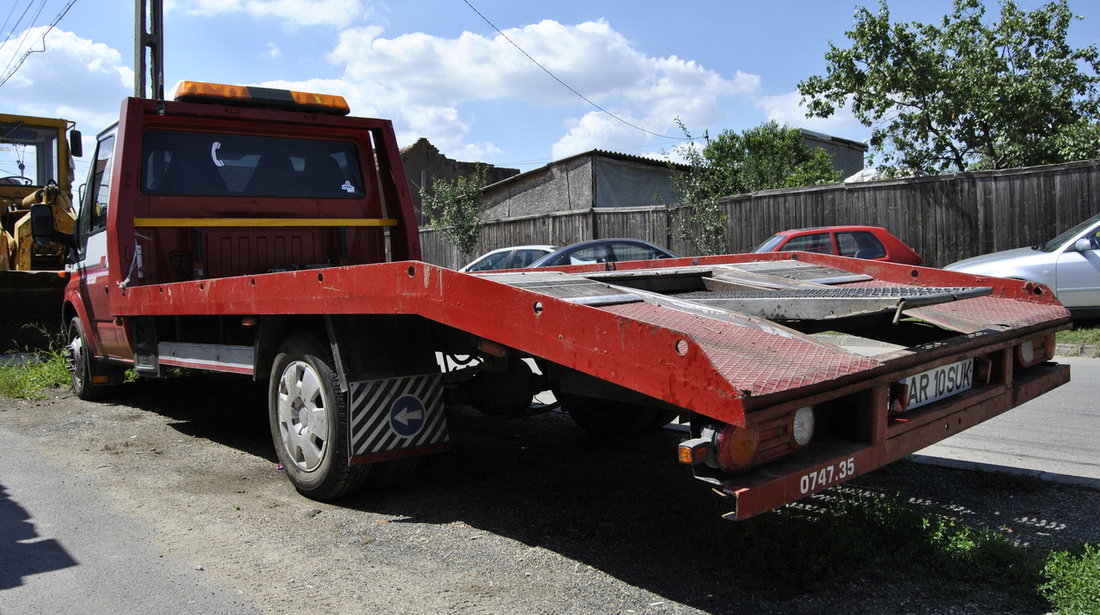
(1054,436)
(88,558)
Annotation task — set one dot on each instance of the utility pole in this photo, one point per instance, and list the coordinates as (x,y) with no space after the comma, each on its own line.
(149,49)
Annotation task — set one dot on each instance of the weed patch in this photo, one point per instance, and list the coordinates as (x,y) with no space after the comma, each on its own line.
(849,533)
(30,378)
(1073,581)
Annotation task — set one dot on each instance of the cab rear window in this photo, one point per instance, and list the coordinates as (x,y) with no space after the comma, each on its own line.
(212,164)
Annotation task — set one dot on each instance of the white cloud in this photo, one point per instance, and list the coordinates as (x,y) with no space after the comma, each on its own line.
(273,51)
(597,130)
(787,109)
(401,77)
(292,13)
(72,77)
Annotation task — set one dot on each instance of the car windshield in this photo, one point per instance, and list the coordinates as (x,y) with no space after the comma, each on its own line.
(1058,241)
(770,244)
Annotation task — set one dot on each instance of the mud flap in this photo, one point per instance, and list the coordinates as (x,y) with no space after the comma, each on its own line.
(396,417)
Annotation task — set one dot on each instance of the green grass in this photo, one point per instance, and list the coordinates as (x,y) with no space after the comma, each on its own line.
(1073,581)
(850,534)
(30,380)
(1084,333)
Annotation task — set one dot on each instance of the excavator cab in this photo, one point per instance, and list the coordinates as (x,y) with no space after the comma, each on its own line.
(36,179)
(35,169)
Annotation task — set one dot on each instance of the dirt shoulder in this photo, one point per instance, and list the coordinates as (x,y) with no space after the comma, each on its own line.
(523,515)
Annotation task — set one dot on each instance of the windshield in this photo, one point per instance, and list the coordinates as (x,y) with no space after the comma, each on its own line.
(28,154)
(1058,241)
(769,245)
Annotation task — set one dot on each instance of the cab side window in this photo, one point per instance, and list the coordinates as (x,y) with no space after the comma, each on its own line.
(860,244)
(632,252)
(93,209)
(816,242)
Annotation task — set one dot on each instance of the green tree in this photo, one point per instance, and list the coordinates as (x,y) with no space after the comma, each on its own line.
(965,94)
(699,191)
(769,156)
(452,207)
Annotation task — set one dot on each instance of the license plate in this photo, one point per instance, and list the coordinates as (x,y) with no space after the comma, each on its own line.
(942,382)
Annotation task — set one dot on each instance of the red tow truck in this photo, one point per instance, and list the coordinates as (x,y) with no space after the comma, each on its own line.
(269,234)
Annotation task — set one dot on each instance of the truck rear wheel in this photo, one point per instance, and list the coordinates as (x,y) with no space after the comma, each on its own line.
(606,418)
(308,416)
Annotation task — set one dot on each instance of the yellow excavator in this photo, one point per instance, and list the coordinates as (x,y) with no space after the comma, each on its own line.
(36,169)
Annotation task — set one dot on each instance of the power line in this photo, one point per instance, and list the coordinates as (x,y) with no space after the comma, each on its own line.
(567,86)
(56,20)
(26,32)
(8,18)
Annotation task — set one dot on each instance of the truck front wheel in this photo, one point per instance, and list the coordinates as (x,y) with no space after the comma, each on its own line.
(82,367)
(308,417)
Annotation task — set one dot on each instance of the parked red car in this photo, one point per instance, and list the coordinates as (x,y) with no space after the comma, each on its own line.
(870,242)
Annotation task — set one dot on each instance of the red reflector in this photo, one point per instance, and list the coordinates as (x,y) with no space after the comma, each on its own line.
(492,348)
(983,369)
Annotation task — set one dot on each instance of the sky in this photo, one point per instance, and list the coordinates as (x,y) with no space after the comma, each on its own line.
(439,70)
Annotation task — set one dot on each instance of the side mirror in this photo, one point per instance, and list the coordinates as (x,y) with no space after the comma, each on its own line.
(76,144)
(1083,245)
(42,224)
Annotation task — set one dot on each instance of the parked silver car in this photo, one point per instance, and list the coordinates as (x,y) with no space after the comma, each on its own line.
(513,257)
(1069,264)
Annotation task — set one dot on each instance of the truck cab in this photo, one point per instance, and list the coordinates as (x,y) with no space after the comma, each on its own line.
(224,182)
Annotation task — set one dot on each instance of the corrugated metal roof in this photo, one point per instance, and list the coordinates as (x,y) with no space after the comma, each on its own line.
(665,164)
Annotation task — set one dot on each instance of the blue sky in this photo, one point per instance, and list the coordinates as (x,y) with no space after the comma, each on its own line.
(439,71)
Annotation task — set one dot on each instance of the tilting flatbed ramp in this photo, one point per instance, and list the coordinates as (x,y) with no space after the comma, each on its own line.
(725,340)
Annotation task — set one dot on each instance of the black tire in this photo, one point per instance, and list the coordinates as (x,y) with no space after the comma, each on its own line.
(82,367)
(308,416)
(660,419)
(503,393)
(611,419)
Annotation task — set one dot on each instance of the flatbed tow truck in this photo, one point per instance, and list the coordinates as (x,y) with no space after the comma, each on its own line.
(269,234)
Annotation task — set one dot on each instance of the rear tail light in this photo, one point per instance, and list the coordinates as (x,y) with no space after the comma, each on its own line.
(735,449)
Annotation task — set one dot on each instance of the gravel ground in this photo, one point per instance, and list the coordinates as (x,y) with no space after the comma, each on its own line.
(521,516)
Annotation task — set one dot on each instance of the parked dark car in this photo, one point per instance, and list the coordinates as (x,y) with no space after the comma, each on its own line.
(869,242)
(603,251)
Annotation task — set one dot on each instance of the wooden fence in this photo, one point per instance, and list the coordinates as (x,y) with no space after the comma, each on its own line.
(944,218)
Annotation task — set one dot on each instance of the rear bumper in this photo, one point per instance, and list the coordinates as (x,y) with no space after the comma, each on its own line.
(832,463)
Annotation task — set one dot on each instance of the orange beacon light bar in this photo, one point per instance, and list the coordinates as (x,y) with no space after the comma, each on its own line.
(254,96)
